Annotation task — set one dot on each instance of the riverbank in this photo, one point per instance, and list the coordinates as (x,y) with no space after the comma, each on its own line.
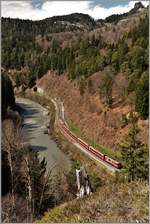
(106,194)
(35,120)
(75,155)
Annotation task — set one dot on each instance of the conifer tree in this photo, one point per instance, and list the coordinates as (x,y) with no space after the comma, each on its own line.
(106,89)
(142,96)
(134,153)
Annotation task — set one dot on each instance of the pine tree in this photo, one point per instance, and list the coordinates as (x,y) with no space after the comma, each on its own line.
(142,96)
(134,154)
(38,192)
(106,89)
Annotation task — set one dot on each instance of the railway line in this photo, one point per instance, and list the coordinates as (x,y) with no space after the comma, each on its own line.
(106,161)
(94,154)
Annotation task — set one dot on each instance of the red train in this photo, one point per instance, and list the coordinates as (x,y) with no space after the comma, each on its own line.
(89,147)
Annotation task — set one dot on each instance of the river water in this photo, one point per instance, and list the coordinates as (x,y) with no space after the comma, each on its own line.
(35,121)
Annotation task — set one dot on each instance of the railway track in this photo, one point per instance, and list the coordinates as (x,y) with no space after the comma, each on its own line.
(60,115)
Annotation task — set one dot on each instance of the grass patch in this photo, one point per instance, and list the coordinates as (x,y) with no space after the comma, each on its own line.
(75,129)
(104,150)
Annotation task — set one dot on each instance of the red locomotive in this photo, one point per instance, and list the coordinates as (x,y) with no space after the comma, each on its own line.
(89,147)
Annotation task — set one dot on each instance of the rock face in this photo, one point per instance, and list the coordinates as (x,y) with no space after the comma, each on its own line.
(138,5)
(83,183)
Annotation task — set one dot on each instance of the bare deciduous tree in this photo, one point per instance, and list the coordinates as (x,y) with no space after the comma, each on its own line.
(11,140)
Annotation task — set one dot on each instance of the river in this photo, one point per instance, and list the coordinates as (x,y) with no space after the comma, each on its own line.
(35,121)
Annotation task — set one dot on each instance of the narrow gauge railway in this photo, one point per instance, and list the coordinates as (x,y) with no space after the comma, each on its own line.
(88,147)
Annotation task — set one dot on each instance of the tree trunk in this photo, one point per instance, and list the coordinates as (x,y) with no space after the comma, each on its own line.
(29,186)
(12,185)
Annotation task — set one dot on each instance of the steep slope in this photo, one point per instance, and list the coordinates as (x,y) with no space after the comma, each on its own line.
(83,58)
(99,70)
(87,113)
(112,204)
(122,23)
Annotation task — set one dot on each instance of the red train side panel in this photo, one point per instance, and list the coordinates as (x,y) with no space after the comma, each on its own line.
(82,143)
(69,132)
(95,152)
(90,148)
(113,162)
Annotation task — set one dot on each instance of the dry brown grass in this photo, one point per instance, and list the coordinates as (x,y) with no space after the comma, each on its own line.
(126,202)
(88,112)
(91,166)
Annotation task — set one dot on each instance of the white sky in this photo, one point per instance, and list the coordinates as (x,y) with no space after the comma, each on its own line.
(25,10)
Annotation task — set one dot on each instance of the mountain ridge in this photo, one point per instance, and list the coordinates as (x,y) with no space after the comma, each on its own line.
(83,18)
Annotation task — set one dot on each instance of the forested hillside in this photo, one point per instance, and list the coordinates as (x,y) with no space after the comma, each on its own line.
(8,98)
(21,50)
(98,69)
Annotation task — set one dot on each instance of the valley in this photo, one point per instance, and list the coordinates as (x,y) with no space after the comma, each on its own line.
(75,116)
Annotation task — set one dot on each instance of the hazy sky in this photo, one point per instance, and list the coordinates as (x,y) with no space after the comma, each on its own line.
(40,9)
